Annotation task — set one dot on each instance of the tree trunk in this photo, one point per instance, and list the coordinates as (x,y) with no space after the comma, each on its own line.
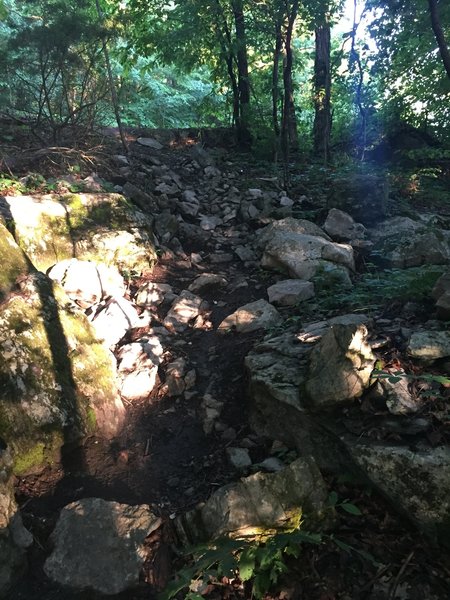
(289,136)
(439,34)
(243,129)
(112,87)
(275,77)
(322,92)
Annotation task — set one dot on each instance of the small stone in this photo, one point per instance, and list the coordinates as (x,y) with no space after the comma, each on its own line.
(229,434)
(239,458)
(272,464)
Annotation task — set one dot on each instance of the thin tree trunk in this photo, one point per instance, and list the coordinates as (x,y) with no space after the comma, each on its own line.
(243,129)
(439,34)
(322,92)
(275,77)
(112,87)
(226,44)
(289,137)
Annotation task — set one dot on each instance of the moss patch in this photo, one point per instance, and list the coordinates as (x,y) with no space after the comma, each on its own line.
(34,457)
(12,260)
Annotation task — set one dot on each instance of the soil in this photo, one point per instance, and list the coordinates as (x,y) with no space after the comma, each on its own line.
(163,458)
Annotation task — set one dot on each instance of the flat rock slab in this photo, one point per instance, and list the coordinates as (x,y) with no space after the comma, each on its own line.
(416,481)
(429,345)
(262,501)
(150,143)
(290,292)
(251,317)
(99,545)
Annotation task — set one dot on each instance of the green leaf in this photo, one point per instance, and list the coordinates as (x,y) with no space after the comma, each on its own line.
(342,545)
(351,508)
(246,564)
(332,499)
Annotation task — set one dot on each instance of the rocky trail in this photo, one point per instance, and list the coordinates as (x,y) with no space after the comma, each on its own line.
(232,363)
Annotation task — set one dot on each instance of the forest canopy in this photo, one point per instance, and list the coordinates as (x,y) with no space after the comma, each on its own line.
(303,75)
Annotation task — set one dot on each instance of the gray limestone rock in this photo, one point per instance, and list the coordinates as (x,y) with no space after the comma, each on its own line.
(289,225)
(340,226)
(303,256)
(61,376)
(183,311)
(251,317)
(114,319)
(137,368)
(87,283)
(175,374)
(99,545)
(416,481)
(441,293)
(262,502)
(150,143)
(207,281)
(402,242)
(364,196)
(152,294)
(239,458)
(340,366)
(290,292)
(101,227)
(398,397)
(429,346)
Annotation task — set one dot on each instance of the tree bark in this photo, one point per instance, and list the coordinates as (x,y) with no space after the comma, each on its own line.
(439,34)
(243,128)
(289,136)
(112,87)
(275,75)
(322,92)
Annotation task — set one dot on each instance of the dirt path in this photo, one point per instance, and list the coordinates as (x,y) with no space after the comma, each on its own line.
(164,458)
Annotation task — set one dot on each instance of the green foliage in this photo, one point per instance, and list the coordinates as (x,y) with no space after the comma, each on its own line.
(377,288)
(408,63)
(261,560)
(396,376)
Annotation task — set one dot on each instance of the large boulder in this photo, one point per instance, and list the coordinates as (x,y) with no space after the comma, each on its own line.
(285,386)
(341,226)
(301,255)
(441,293)
(13,262)
(401,242)
(58,380)
(429,346)
(261,503)
(99,545)
(289,225)
(416,481)
(340,366)
(98,227)
(87,283)
(14,538)
(301,385)
(363,196)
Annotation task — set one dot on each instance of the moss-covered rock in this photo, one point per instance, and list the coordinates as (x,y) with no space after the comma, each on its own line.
(12,260)
(57,381)
(364,196)
(99,227)
(261,504)
(14,538)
